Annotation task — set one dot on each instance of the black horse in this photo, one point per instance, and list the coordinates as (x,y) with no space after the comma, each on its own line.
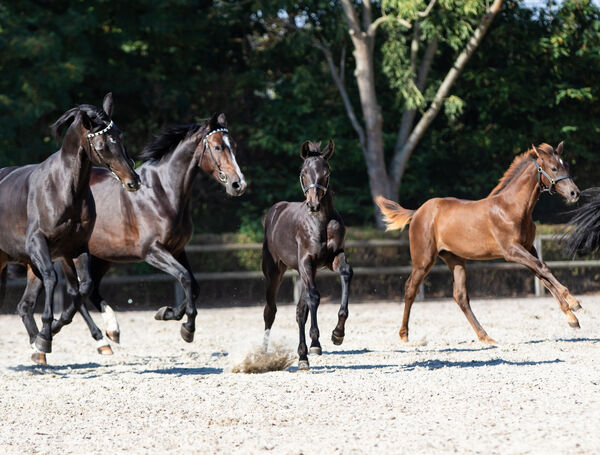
(155,224)
(306,236)
(583,230)
(49,212)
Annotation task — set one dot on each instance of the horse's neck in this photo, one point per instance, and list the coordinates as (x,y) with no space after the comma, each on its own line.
(180,172)
(75,166)
(524,191)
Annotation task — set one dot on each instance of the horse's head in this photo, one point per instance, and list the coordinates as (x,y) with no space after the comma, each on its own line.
(103,142)
(314,175)
(553,172)
(215,154)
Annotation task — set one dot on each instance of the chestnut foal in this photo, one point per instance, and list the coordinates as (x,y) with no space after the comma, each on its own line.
(306,236)
(499,226)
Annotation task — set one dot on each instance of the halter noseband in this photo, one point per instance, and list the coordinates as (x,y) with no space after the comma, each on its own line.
(313,185)
(553,181)
(220,173)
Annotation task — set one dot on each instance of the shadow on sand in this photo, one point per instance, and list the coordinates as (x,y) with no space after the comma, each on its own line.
(184,371)
(437,364)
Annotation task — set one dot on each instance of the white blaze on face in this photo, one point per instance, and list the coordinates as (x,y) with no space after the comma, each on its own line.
(235,165)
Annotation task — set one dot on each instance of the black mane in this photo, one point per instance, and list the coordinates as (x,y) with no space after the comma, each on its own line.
(164,144)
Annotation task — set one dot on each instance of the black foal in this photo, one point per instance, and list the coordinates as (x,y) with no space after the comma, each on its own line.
(306,236)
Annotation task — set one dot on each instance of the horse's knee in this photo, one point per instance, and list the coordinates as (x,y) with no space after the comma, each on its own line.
(460,296)
(313,297)
(86,287)
(49,278)
(346,272)
(23,308)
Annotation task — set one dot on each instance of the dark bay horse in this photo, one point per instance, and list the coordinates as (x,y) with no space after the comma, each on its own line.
(306,236)
(49,212)
(154,224)
(499,226)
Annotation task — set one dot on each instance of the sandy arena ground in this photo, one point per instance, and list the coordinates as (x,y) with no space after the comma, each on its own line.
(537,391)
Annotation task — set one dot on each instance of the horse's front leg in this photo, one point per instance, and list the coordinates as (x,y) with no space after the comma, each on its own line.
(574,305)
(159,257)
(345,270)
(312,299)
(519,254)
(37,248)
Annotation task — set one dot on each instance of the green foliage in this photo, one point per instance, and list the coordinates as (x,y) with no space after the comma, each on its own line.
(175,61)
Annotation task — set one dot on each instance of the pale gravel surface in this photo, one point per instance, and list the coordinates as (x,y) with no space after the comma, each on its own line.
(537,392)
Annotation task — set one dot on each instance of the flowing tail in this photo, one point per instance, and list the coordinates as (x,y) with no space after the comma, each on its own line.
(582,235)
(394,216)
(3,285)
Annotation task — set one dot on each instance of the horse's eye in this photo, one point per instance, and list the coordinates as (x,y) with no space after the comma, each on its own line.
(218,148)
(553,169)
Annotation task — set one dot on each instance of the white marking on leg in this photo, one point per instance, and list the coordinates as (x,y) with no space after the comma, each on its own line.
(266,339)
(110,319)
(101,343)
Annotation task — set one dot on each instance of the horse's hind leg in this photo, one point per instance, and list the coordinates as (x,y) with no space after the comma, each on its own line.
(340,265)
(423,254)
(98,269)
(273,273)
(79,290)
(457,265)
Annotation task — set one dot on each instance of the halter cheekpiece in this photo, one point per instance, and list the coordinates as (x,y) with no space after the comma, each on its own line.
(98,133)
(553,181)
(220,173)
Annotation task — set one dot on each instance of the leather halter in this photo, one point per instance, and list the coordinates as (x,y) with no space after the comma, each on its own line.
(220,173)
(553,181)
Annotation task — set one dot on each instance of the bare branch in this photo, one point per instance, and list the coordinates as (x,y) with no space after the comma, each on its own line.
(427,10)
(351,18)
(426,63)
(381,19)
(398,164)
(337,79)
(367,16)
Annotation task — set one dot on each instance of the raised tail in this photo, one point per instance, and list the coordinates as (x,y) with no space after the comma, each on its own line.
(3,285)
(394,216)
(582,234)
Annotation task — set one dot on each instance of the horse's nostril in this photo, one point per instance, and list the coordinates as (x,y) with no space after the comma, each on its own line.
(236,185)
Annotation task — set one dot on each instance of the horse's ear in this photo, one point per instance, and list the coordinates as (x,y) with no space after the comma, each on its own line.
(305,150)
(535,150)
(222,120)
(107,104)
(559,148)
(213,123)
(85,120)
(328,150)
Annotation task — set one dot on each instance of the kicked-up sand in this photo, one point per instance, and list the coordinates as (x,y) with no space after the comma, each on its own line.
(536,392)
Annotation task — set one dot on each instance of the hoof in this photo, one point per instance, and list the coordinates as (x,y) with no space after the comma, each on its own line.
(187,336)
(114,335)
(574,324)
(43,345)
(336,339)
(315,350)
(404,337)
(303,365)
(39,358)
(576,307)
(487,340)
(160,314)
(105,350)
